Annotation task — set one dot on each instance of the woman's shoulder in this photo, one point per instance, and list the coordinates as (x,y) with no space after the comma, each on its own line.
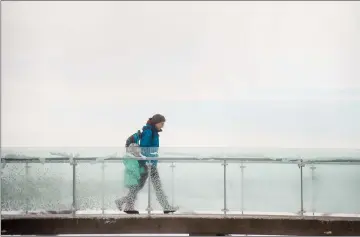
(148,129)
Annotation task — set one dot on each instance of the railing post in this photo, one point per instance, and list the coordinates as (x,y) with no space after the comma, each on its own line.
(73,163)
(313,168)
(103,188)
(27,200)
(225,194)
(3,161)
(242,166)
(172,182)
(149,167)
(301,165)
(3,164)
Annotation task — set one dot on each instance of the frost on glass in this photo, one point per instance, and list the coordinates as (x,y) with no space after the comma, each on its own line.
(51,186)
(195,184)
(13,188)
(88,186)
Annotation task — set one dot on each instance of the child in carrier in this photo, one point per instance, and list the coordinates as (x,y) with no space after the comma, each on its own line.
(133,171)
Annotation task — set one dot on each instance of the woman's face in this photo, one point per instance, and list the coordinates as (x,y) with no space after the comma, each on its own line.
(159,125)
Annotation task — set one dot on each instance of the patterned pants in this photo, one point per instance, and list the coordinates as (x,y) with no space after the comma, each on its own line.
(156,182)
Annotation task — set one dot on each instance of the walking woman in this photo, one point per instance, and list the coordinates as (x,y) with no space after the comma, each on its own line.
(149,145)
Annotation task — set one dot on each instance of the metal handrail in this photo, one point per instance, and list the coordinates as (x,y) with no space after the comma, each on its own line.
(347,161)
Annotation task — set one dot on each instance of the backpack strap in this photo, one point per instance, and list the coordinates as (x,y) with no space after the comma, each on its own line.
(139,133)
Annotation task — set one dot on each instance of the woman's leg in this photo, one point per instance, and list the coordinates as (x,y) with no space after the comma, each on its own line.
(131,198)
(127,199)
(160,194)
(133,191)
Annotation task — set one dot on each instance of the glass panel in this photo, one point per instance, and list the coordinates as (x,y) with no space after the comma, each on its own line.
(114,184)
(51,186)
(13,187)
(198,186)
(335,189)
(89,186)
(272,188)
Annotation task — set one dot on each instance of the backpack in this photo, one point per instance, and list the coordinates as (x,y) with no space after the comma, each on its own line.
(135,138)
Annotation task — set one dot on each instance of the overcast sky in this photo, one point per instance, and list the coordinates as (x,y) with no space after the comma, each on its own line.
(250,74)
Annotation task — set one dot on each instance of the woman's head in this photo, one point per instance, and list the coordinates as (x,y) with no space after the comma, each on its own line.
(158,121)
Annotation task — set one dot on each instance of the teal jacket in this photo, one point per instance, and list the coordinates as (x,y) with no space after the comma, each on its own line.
(149,143)
(132,171)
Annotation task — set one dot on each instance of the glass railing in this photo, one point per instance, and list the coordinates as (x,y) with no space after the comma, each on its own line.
(34,181)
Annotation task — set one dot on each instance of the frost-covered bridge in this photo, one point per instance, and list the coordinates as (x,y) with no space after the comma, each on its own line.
(216,196)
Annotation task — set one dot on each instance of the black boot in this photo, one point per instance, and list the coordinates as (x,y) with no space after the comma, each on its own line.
(170,209)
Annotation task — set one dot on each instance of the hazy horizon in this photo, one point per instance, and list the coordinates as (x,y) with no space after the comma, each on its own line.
(237,74)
